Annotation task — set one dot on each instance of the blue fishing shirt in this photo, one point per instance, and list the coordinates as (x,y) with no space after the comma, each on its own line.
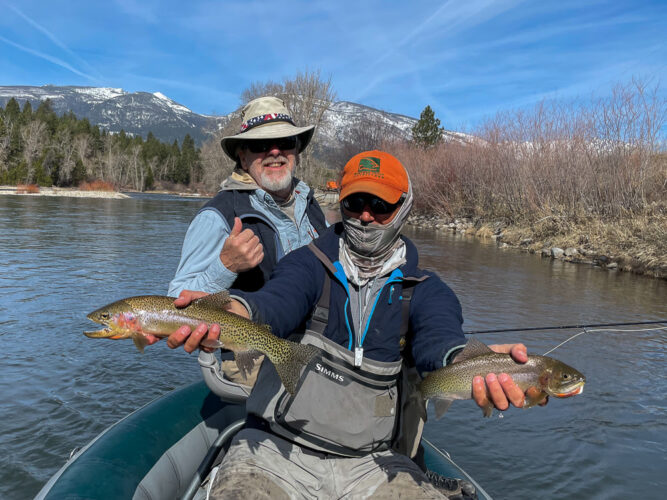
(200,267)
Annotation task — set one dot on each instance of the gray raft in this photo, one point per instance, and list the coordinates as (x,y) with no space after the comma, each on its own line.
(165,449)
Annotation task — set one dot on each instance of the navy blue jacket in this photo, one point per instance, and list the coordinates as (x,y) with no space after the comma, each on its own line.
(295,286)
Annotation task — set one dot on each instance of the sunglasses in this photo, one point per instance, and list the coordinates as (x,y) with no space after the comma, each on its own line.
(358,201)
(264,145)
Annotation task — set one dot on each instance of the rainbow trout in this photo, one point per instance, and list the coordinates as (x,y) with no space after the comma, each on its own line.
(454,381)
(134,317)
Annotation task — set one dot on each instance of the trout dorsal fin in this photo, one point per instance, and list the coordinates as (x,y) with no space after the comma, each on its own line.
(473,349)
(217,300)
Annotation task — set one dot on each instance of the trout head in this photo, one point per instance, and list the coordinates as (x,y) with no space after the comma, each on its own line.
(562,381)
(119,320)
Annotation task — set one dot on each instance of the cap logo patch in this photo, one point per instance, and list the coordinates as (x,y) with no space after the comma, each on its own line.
(369,165)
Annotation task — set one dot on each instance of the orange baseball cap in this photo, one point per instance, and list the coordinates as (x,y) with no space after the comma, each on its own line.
(377,173)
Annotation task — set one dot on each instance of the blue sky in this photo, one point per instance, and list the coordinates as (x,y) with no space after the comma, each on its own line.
(467,59)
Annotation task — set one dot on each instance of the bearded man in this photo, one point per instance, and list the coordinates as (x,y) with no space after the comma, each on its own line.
(261,213)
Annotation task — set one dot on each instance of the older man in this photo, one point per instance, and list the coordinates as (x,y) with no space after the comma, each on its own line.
(261,213)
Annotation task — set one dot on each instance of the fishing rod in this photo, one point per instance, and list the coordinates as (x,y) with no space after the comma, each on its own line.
(564,327)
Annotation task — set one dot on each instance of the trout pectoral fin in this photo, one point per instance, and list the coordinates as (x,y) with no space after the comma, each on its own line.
(534,398)
(140,341)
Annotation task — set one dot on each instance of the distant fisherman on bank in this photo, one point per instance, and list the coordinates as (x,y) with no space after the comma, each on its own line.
(349,431)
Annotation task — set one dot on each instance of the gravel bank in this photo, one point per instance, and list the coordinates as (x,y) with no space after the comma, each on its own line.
(69,192)
(616,246)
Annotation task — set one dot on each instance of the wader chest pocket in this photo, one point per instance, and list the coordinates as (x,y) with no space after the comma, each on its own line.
(385,405)
(337,407)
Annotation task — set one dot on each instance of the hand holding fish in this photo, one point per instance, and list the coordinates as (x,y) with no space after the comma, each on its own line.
(144,318)
(473,374)
(499,390)
(190,338)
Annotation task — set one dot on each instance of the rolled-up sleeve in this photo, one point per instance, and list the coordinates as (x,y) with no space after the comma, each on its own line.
(200,267)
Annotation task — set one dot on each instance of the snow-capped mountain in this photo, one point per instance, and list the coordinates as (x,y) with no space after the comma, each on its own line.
(138,113)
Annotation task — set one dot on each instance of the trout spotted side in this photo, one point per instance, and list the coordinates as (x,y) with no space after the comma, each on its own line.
(134,317)
(454,381)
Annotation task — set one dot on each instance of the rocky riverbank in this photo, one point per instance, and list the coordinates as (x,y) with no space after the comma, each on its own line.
(637,245)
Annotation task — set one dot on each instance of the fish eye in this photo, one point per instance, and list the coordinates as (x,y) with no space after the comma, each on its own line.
(105,315)
(566,375)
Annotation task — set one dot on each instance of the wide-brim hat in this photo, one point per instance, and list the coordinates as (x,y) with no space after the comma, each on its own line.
(266,118)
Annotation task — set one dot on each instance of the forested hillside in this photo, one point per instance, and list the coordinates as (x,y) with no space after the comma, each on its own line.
(39,147)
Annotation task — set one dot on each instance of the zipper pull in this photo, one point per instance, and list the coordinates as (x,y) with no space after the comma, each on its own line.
(391,293)
(358,356)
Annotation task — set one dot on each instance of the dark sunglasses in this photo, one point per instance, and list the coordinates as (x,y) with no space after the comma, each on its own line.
(264,145)
(358,201)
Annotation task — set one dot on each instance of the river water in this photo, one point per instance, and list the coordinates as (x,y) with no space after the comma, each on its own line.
(63,257)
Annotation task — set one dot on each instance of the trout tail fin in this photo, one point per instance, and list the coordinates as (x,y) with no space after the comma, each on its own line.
(289,369)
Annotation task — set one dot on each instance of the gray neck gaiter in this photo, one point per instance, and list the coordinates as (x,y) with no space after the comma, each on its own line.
(369,245)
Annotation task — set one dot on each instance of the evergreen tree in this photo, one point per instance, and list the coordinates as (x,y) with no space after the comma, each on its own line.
(83,147)
(12,110)
(97,145)
(427,131)
(26,115)
(46,114)
(78,173)
(15,144)
(149,180)
(190,159)
(179,173)
(153,148)
(82,126)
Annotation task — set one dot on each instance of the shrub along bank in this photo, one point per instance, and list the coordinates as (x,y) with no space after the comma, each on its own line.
(586,182)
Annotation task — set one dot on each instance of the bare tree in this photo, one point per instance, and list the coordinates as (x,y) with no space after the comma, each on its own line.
(112,163)
(34,136)
(307,96)
(216,165)
(367,133)
(82,143)
(136,167)
(4,145)
(67,152)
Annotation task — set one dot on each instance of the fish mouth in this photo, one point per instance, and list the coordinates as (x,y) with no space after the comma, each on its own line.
(104,333)
(577,390)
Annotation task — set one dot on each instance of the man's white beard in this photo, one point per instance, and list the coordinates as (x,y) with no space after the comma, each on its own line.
(272,182)
(275,183)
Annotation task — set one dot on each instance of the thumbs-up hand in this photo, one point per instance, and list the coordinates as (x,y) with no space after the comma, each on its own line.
(242,249)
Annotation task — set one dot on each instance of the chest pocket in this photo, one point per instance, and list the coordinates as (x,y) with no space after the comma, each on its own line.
(348,411)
